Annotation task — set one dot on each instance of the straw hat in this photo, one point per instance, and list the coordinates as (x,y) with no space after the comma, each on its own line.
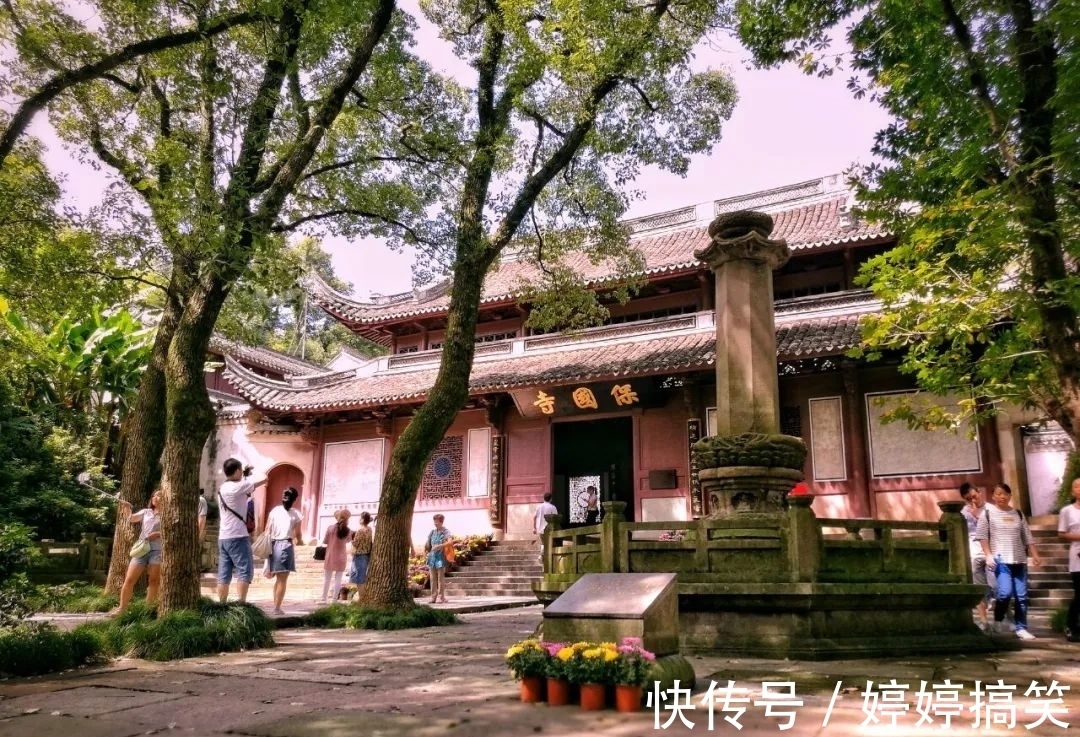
(342,514)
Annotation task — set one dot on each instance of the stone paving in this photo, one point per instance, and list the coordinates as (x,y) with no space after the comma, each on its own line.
(451,681)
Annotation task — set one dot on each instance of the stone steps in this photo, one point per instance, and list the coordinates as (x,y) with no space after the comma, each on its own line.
(506,569)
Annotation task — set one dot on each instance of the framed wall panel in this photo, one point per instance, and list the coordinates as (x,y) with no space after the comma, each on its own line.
(352,472)
(897,450)
(827,439)
(479,462)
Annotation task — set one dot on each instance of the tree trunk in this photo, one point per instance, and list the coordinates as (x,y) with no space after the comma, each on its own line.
(387,585)
(189,421)
(143,440)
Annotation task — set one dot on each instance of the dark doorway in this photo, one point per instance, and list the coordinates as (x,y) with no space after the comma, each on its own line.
(592,452)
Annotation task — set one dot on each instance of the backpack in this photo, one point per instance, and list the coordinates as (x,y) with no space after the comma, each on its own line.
(249,518)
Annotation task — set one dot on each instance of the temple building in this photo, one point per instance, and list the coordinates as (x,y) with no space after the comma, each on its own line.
(616,406)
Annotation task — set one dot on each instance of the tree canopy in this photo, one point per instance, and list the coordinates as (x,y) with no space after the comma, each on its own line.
(978,174)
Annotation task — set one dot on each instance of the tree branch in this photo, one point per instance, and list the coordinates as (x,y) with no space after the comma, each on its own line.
(980,85)
(164,129)
(69,78)
(298,156)
(564,154)
(413,235)
(535,115)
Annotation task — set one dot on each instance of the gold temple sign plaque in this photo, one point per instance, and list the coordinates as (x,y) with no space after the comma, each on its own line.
(585,399)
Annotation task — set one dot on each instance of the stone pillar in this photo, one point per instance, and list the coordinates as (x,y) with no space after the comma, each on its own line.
(742,259)
(611,548)
(954,533)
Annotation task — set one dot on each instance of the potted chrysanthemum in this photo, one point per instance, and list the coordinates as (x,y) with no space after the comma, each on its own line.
(631,673)
(592,666)
(527,661)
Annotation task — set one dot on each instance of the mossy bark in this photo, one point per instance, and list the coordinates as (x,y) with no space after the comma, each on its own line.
(387,587)
(143,441)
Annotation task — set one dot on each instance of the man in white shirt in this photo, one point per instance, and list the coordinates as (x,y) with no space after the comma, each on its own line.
(540,523)
(234,545)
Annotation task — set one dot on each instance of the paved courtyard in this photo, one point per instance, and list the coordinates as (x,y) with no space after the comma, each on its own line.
(451,681)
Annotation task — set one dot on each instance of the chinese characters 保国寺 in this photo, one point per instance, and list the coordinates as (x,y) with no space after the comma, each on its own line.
(885,704)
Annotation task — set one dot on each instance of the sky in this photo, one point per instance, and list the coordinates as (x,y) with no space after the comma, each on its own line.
(787,127)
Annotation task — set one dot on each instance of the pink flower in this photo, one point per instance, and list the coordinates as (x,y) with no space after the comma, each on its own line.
(553,648)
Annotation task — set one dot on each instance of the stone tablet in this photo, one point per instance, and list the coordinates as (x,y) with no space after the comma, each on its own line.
(611,606)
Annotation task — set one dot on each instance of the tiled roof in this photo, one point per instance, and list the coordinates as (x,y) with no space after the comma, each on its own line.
(809,215)
(264,358)
(669,354)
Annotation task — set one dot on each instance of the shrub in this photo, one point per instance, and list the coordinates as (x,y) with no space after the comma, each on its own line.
(78,596)
(344,616)
(33,648)
(213,628)
(1059,619)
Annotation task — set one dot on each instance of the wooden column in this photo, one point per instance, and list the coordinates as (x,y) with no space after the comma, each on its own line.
(855,439)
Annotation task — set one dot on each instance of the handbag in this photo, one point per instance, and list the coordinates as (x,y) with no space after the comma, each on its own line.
(261,547)
(320,552)
(139,549)
(451,556)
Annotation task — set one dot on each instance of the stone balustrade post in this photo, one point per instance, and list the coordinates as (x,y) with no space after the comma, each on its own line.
(954,532)
(86,550)
(554,524)
(804,539)
(611,540)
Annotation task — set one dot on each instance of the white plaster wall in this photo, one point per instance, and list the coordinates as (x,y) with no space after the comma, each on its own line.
(460,523)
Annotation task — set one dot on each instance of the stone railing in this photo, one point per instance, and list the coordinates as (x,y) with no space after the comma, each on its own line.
(89,558)
(787,547)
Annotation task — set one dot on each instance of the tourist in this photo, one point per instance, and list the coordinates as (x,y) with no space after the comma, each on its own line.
(1006,540)
(149,530)
(980,572)
(540,519)
(234,545)
(361,552)
(283,527)
(1069,529)
(200,519)
(336,539)
(592,506)
(436,544)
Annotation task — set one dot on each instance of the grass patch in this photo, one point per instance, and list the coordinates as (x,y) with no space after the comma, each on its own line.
(213,628)
(33,648)
(346,616)
(75,597)
(1059,619)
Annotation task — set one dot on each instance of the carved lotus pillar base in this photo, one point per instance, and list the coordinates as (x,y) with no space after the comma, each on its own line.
(730,490)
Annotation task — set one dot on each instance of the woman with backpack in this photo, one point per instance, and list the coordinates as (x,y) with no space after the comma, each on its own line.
(1007,543)
(335,540)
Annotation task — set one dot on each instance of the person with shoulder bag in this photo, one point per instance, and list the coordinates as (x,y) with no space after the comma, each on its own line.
(145,553)
(336,560)
(234,545)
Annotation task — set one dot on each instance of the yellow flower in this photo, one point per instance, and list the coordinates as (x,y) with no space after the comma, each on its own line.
(593,653)
(565,654)
(514,650)
(610,655)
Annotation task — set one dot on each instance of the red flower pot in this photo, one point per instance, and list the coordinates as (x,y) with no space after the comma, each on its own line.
(627,698)
(559,692)
(593,696)
(532,689)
